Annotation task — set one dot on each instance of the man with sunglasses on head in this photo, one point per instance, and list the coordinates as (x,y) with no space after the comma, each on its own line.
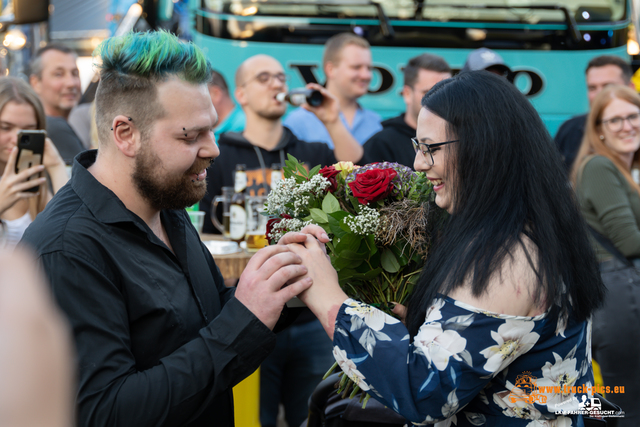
(303,351)
(265,141)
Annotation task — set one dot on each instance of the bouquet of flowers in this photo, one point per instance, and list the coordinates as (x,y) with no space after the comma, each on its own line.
(380,218)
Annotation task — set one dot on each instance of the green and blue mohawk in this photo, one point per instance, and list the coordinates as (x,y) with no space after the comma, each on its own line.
(153,55)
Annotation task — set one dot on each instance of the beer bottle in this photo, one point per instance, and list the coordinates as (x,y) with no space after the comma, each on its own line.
(299,96)
(276,174)
(237,208)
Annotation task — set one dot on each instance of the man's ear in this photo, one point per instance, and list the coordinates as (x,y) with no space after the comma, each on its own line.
(328,70)
(126,135)
(240,95)
(215,93)
(407,93)
(34,81)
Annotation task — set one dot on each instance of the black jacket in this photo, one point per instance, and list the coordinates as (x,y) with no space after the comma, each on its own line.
(160,341)
(236,149)
(569,138)
(392,143)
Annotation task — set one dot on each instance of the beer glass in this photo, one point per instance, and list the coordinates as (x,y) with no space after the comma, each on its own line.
(256,238)
(225,198)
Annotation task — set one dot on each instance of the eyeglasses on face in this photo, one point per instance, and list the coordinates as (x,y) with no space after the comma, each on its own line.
(266,77)
(428,149)
(616,124)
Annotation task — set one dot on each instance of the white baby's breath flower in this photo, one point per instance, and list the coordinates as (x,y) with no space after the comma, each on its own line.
(284,226)
(291,198)
(366,222)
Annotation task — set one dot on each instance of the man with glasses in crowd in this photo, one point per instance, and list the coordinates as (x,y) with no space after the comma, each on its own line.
(265,141)
(391,144)
(303,352)
(601,71)
(347,68)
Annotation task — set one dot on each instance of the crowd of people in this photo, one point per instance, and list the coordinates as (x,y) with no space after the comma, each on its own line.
(514,284)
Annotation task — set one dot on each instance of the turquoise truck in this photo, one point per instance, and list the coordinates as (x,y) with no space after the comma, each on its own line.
(547,44)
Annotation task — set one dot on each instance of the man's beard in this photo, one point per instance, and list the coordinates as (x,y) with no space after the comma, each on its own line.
(164,191)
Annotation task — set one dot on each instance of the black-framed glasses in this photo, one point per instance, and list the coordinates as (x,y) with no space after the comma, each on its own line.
(266,77)
(427,149)
(615,124)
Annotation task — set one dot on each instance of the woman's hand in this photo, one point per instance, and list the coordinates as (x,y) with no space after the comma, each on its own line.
(301,236)
(51,157)
(325,296)
(400,311)
(14,187)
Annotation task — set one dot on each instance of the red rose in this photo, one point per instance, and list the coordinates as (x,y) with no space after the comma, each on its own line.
(330,173)
(373,185)
(272,222)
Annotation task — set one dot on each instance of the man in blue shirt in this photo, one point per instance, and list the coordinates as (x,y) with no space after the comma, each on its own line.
(347,67)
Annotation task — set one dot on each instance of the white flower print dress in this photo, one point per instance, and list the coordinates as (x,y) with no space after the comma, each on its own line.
(468,367)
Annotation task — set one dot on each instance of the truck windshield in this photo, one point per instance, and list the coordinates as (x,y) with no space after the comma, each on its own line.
(524,11)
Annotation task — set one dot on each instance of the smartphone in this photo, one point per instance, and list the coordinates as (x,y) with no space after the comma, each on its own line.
(30,152)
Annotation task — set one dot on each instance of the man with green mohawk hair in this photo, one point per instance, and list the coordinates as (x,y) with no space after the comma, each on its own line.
(160,340)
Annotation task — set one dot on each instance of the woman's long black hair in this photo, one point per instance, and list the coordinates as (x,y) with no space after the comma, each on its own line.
(509,182)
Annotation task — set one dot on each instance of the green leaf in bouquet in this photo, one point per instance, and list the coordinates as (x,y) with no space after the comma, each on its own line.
(370,241)
(345,275)
(342,263)
(356,256)
(389,261)
(319,216)
(372,274)
(334,224)
(330,204)
(401,251)
(348,242)
(302,170)
(314,171)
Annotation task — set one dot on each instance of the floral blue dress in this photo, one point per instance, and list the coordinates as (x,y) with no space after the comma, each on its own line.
(469,367)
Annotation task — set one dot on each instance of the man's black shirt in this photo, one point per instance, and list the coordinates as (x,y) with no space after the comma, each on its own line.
(160,340)
(392,143)
(569,138)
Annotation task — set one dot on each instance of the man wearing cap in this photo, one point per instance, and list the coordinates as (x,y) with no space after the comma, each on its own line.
(487,59)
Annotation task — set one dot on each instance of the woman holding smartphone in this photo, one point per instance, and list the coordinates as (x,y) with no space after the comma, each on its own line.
(20,109)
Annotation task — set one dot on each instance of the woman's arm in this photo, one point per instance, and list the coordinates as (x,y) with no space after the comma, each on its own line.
(55,166)
(605,189)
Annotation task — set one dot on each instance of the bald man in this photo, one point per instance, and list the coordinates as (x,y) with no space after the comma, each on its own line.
(265,141)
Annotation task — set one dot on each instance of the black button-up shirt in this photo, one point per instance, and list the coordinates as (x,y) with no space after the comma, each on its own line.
(160,340)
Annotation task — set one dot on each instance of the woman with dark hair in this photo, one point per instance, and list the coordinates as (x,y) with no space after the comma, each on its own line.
(498,328)
(610,202)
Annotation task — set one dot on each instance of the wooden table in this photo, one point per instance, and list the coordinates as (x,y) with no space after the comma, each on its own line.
(231,265)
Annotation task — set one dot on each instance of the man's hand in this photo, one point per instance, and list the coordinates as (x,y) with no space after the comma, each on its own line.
(329,111)
(36,362)
(262,284)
